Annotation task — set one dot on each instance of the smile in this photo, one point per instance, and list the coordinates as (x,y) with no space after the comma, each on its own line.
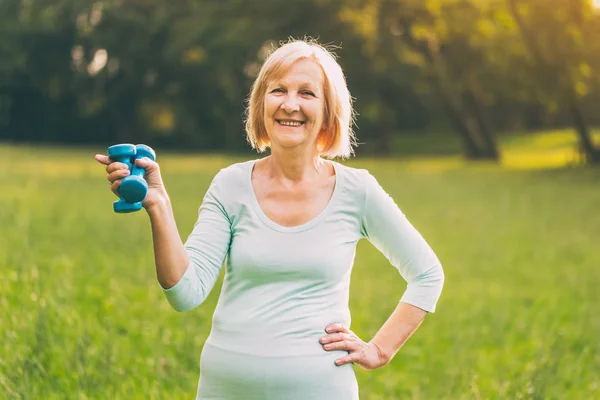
(290,123)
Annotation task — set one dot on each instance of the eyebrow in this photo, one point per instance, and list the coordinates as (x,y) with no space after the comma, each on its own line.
(302,85)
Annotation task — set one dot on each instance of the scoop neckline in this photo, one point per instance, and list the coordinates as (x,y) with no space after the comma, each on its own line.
(297,228)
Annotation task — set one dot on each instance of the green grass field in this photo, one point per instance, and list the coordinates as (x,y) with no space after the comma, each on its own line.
(82,316)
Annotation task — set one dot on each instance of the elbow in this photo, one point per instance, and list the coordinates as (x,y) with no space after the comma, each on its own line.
(433,277)
(178,308)
(184,298)
(435,280)
(439,276)
(426,289)
(183,308)
(438,279)
(192,288)
(183,305)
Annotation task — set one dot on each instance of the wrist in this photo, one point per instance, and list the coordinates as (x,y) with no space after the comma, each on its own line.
(385,354)
(158,204)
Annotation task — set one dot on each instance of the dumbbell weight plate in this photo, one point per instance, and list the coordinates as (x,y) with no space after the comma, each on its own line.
(145,151)
(133,189)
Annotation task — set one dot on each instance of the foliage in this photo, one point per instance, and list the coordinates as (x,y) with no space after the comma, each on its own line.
(178,73)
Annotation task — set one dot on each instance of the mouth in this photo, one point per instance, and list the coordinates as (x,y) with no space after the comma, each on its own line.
(290,122)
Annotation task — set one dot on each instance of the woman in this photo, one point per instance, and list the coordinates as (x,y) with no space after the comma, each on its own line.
(287,225)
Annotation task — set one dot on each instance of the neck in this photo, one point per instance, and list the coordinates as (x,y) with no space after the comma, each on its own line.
(295,166)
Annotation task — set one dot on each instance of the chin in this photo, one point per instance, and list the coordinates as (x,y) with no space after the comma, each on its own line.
(290,140)
(288,144)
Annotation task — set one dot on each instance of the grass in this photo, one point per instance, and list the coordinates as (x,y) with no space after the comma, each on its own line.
(82,316)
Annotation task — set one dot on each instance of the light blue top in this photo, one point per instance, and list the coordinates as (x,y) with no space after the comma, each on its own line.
(284,285)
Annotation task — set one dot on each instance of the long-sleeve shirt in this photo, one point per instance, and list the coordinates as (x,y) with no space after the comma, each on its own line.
(284,285)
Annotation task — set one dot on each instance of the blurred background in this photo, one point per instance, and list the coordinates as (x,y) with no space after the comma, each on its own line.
(479,117)
(176,74)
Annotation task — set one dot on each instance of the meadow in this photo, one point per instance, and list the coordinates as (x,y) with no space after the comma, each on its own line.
(82,315)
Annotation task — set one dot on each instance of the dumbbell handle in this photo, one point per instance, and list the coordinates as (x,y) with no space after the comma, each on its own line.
(135,170)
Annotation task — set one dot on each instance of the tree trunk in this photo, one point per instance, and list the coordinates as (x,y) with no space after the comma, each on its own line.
(484,126)
(461,126)
(459,119)
(386,94)
(453,111)
(592,154)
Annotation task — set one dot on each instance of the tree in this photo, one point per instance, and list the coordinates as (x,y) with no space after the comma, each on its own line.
(430,43)
(554,33)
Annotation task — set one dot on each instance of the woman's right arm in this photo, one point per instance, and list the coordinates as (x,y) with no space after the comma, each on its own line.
(186,273)
(170,256)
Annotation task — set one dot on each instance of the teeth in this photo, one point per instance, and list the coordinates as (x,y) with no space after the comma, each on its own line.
(290,123)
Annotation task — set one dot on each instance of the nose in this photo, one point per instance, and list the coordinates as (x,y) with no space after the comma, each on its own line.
(290,104)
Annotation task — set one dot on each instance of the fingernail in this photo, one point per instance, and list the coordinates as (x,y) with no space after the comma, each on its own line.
(324,340)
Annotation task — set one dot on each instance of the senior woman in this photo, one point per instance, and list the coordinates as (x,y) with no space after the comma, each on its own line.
(286,226)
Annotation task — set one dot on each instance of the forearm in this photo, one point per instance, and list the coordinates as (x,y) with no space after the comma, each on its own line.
(399,327)
(170,256)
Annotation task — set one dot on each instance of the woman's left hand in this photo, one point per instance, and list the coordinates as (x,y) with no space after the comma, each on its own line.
(367,355)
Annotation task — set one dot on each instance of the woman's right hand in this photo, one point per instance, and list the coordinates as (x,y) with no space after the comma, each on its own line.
(117,171)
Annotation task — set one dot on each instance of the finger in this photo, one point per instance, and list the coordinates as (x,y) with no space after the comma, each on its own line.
(114,166)
(117,175)
(102,159)
(337,327)
(347,345)
(336,337)
(114,187)
(350,358)
(148,165)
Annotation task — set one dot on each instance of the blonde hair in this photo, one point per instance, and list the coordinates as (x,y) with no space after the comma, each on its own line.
(338,138)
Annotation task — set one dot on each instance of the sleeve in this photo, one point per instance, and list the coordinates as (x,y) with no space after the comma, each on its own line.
(206,246)
(387,228)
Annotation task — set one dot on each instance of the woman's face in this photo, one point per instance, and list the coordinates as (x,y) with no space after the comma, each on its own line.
(294,106)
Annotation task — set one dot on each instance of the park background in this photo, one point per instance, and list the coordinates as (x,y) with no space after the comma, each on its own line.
(479,117)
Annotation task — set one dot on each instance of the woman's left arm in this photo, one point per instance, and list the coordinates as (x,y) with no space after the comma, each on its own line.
(403,322)
(400,326)
(386,227)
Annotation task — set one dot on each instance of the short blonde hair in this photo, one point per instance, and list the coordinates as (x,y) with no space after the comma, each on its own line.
(339,139)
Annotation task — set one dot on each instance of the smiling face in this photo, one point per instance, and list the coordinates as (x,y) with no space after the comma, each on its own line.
(294,106)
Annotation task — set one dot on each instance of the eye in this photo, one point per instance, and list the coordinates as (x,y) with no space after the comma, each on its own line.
(277,90)
(308,93)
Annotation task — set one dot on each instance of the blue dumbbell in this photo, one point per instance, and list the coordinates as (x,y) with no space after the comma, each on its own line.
(133,188)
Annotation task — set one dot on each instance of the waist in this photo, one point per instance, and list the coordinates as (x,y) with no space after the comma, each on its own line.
(300,338)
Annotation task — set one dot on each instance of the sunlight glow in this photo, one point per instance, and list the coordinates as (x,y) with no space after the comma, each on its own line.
(99,61)
(596,3)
